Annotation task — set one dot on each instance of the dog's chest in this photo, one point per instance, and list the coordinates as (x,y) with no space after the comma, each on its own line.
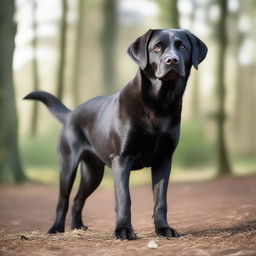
(150,141)
(157,125)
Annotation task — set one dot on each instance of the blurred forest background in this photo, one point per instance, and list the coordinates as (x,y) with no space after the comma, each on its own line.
(76,49)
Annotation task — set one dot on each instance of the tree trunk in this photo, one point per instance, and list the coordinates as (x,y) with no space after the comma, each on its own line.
(169,14)
(34,117)
(244,122)
(195,101)
(223,164)
(253,126)
(77,53)
(251,123)
(248,87)
(109,39)
(62,60)
(10,164)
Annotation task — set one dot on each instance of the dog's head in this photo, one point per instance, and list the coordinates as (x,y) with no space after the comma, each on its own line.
(168,53)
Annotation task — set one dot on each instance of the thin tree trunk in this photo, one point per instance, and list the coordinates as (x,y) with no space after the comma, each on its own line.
(169,13)
(237,39)
(252,86)
(174,17)
(244,125)
(223,164)
(195,102)
(78,49)
(251,123)
(9,155)
(34,117)
(62,60)
(109,38)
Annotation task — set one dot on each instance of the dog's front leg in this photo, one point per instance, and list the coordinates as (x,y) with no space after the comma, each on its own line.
(160,179)
(121,166)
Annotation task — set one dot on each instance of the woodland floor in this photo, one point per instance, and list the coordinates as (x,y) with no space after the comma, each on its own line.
(214,218)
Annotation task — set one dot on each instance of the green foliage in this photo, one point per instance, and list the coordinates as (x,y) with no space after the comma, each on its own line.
(247,161)
(194,148)
(40,151)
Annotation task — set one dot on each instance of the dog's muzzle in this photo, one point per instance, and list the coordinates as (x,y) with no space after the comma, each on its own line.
(170,67)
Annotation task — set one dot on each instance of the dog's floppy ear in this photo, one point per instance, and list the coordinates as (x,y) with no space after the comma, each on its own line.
(138,50)
(199,49)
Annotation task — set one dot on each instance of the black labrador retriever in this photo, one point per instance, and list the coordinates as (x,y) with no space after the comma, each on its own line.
(136,127)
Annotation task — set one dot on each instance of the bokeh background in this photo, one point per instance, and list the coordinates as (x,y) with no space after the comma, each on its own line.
(76,50)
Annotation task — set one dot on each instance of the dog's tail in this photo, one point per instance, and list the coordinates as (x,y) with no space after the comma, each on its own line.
(52,103)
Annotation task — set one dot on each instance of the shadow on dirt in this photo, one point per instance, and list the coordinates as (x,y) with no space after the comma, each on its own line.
(247,227)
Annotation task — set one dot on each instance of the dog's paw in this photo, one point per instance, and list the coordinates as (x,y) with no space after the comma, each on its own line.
(79,227)
(55,230)
(167,232)
(125,234)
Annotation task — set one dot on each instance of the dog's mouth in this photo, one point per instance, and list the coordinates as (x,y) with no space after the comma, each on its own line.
(171,74)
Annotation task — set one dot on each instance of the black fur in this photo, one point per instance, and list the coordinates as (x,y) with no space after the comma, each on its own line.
(137,127)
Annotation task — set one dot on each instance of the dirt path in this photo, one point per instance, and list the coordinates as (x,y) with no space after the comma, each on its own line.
(214,218)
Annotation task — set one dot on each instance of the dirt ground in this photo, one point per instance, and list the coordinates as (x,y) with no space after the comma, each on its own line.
(214,218)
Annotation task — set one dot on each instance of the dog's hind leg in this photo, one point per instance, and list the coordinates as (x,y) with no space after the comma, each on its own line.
(92,170)
(69,161)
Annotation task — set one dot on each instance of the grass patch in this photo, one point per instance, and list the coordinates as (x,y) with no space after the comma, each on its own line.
(40,151)
(194,148)
(192,161)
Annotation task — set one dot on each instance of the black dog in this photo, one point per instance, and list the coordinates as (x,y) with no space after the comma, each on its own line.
(134,128)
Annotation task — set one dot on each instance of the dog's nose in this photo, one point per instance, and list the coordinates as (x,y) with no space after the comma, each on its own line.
(171,59)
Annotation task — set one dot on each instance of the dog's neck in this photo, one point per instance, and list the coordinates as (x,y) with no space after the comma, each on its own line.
(160,96)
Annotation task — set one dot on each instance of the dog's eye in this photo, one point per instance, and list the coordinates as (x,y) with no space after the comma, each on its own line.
(157,48)
(181,45)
